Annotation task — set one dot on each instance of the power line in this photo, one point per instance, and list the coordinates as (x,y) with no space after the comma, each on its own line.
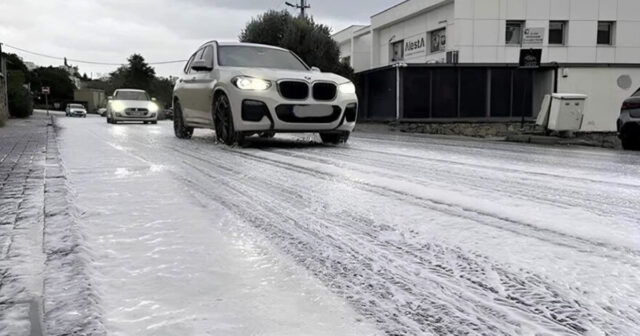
(84,62)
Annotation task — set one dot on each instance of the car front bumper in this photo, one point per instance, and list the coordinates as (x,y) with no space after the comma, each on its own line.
(121,116)
(279,114)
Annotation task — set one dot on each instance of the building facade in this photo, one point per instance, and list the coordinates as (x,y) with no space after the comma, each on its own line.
(588,46)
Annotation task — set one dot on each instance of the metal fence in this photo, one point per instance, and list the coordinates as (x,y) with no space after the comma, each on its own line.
(452,92)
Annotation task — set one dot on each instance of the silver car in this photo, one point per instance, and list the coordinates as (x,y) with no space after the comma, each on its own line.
(131,105)
(75,110)
(241,89)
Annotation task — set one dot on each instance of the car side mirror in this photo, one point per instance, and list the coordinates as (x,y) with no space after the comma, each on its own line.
(110,98)
(201,65)
(153,99)
(315,69)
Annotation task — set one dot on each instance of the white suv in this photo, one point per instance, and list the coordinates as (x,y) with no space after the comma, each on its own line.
(241,89)
(131,105)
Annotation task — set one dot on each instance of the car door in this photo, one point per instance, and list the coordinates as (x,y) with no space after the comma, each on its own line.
(203,88)
(186,87)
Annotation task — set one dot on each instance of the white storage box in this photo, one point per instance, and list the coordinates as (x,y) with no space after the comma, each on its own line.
(566,110)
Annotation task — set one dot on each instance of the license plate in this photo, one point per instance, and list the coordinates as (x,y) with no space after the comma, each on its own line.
(136,113)
(310,111)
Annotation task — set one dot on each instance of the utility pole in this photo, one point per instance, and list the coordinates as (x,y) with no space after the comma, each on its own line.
(302,7)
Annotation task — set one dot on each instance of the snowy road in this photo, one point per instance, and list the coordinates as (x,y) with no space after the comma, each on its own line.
(393,235)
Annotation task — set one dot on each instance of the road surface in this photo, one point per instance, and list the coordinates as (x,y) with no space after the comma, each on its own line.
(390,234)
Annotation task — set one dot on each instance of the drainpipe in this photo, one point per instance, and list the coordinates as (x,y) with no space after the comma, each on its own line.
(556,70)
(398,96)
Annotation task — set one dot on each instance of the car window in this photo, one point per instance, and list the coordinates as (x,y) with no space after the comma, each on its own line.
(636,94)
(188,65)
(198,55)
(207,56)
(132,95)
(259,57)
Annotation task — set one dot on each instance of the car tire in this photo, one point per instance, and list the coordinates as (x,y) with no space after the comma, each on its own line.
(334,138)
(154,122)
(223,122)
(630,144)
(179,129)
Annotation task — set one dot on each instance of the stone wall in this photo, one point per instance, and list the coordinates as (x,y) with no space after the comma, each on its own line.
(4,107)
(472,129)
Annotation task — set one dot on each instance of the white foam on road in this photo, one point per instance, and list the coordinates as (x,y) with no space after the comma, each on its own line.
(168,264)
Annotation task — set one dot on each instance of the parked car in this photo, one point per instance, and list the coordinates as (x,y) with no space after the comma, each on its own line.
(131,105)
(629,122)
(241,89)
(102,111)
(168,114)
(75,110)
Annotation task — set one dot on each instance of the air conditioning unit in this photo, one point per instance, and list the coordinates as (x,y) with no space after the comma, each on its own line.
(452,57)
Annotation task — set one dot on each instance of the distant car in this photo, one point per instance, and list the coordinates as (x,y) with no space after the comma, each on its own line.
(131,105)
(102,111)
(241,89)
(629,122)
(168,114)
(75,110)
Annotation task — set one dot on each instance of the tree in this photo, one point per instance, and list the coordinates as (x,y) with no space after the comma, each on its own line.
(57,79)
(162,89)
(309,40)
(14,62)
(19,98)
(138,74)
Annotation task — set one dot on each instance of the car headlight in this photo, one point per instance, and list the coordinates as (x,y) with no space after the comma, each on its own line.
(250,83)
(347,88)
(153,108)
(117,106)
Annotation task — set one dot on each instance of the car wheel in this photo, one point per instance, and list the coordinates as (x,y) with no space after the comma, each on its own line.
(630,143)
(179,129)
(334,138)
(223,122)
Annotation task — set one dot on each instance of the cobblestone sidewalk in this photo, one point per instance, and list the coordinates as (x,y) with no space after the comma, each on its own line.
(23,153)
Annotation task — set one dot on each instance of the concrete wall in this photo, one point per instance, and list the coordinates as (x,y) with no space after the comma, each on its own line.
(481,24)
(361,58)
(476,28)
(345,49)
(414,28)
(93,97)
(605,94)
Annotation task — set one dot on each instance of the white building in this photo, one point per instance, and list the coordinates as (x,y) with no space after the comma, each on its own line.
(595,43)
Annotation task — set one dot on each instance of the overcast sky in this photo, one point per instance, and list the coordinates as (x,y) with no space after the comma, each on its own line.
(161,30)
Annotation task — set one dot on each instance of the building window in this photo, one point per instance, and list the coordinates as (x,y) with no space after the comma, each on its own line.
(605,33)
(514,32)
(438,40)
(557,32)
(397,51)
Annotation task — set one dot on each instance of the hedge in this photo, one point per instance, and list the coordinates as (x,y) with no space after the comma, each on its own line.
(20,102)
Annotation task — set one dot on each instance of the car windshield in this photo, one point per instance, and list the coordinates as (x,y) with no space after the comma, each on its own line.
(76,106)
(259,57)
(131,95)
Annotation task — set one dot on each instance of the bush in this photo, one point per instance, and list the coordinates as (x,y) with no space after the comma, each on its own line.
(20,102)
